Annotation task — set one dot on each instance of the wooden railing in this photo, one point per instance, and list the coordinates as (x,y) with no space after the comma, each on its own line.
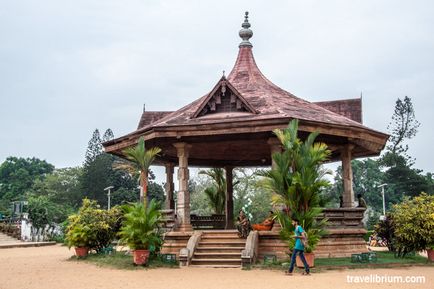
(207,222)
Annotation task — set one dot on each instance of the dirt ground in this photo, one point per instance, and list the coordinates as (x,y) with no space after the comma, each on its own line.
(47,267)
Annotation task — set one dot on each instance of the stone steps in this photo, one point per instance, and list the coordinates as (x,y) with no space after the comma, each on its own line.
(214,262)
(7,239)
(216,266)
(219,248)
(217,255)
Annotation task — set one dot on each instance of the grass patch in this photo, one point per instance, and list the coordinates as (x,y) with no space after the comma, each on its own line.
(384,259)
(120,260)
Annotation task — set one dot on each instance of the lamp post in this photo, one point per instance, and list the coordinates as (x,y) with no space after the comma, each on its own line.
(141,192)
(383,217)
(108,196)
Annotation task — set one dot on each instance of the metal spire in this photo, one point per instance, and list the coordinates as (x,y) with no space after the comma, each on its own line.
(246,33)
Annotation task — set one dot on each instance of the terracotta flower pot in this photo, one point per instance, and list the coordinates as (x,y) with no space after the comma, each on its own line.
(141,257)
(310,259)
(430,253)
(81,251)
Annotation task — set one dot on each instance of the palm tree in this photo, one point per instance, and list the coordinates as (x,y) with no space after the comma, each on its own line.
(139,160)
(297,180)
(216,193)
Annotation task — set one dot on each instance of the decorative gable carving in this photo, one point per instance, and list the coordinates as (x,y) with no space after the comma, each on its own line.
(223,98)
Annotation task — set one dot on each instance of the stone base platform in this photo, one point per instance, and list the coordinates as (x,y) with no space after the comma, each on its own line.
(344,237)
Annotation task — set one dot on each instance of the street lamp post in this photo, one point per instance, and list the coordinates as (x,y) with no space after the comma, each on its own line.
(141,192)
(383,217)
(108,196)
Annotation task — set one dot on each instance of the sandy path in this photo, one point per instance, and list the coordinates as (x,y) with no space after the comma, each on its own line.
(46,267)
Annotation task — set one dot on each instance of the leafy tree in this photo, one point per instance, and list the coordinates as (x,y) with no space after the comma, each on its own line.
(62,187)
(199,202)
(155,191)
(17,175)
(216,193)
(250,196)
(124,196)
(367,176)
(99,174)
(140,159)
(44,214)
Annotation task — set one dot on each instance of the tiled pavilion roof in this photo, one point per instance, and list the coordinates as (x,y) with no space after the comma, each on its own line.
(246,102)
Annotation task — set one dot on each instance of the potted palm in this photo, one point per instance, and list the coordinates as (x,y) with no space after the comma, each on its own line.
(140,230)
(296,181)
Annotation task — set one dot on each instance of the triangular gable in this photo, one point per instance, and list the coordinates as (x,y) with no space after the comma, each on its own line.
(223,98)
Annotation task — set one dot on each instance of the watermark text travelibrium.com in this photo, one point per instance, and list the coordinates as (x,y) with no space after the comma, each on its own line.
(375,278)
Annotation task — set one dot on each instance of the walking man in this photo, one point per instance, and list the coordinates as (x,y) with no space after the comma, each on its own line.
(300,239)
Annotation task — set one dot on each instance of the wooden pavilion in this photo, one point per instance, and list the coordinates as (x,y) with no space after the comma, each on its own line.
(231,126)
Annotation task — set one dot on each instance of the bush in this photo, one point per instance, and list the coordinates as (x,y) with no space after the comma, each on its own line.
(93,227)
(414,224)
(386,231)
(409,227)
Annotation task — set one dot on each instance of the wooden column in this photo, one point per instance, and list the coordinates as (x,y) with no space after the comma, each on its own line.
(229,203)
(169,186)
(275,147)
(347,176)
(183,201)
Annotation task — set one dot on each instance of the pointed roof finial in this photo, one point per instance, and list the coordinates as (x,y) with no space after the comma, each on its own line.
(246,33)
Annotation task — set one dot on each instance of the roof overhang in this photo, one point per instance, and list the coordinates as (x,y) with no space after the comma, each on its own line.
(245,143)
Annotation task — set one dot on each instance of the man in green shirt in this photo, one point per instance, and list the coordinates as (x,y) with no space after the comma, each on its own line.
(298,248)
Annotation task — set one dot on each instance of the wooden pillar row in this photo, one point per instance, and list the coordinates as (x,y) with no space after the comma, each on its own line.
(347,176)
(229,202)
(169,186)
(183,200)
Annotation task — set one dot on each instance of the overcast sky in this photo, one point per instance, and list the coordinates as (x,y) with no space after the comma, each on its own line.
(68,67)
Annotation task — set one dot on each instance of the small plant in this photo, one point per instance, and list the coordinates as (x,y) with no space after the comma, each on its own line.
(79,235)
(141,226)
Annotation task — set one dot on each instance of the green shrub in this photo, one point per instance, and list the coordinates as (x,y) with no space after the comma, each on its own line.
(93,227)
(414,224)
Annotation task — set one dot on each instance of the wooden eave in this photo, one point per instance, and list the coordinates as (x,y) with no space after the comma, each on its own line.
(367,142)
